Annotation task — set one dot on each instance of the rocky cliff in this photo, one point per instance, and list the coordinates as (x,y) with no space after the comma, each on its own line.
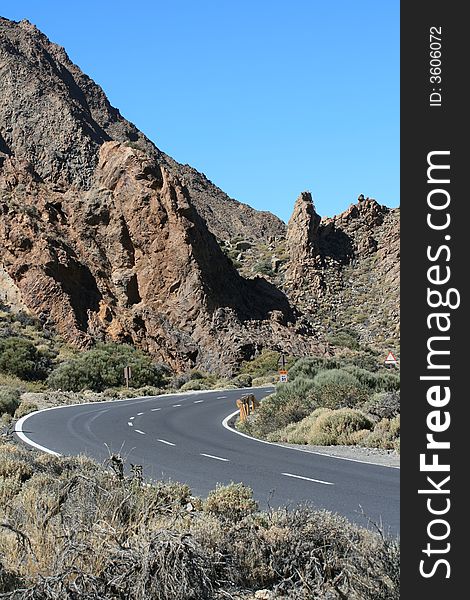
(105,237)
(101,234)
(344,272)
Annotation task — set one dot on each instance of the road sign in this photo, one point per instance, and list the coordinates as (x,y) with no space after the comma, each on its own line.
(127,375)
(282,362)
(282,372)
(391,360)
(283,376)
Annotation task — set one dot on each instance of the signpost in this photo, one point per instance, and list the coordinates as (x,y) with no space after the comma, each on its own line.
(391,360)
(282,368)
(127,375)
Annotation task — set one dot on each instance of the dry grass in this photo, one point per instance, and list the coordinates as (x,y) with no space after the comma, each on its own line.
(69,529)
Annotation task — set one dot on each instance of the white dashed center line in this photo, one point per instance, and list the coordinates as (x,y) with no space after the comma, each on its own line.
(130,423)
(138,414)
(154,409)
(215,457)
(138,431)
(198,401)
(176,405)
(221,397)
(307,478)
(165,442)
(131,418)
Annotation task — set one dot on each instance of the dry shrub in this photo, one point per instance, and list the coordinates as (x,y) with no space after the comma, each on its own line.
(326,427)
(25,408)
(74,530)
(386,435)
(232,501)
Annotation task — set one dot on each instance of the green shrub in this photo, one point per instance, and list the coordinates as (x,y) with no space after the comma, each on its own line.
(344,339)
(306,367)
(383,405)
(336,376)
(9,399)
(335,396)
(242,381)
(195,384)
(21,358)
(263,364)
(264,267)
(233,501)
(379,381)
(290,404)
(299,388)
(103,366)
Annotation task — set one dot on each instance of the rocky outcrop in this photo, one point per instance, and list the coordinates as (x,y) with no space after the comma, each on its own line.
(302,238)
(130,259)
(56,118)
(343,272)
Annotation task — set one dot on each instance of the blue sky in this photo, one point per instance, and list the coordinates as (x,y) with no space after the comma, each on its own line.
(267,98)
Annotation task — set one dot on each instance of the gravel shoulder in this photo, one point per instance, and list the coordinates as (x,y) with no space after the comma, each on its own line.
(388,458)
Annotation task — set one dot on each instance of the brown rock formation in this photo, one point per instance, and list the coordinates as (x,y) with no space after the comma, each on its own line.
(303,245)
(130,259)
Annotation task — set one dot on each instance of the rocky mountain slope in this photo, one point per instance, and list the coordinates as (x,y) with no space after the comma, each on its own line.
(342,273)
(101,233)
(55,117)
(103,236)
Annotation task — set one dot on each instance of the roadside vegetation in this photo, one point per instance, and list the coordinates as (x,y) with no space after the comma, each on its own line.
(332,401)
(71,528)
(347,399)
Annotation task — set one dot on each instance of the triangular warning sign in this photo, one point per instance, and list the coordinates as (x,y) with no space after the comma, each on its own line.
(390,360)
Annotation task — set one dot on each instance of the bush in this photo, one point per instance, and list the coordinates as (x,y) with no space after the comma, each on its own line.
(386,435)
(263,364)
(103,368)
(383,405)
(306,368)
(25,408)
(336,427)
(101,537)
(345,338)
(290,404)
(378,381)
(195,384)
(242,381)
(21,358)
(264,267)
(9,400)
(336,376)
(233,501)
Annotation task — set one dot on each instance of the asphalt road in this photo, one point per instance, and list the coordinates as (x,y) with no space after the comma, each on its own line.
(182,438)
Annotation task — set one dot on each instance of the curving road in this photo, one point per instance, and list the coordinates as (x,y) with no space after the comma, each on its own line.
(182,437)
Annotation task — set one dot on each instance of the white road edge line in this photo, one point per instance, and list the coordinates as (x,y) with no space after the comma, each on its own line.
(215,457)
(131,401)
(138,431)
(364,462)
(165,442)
(307,478)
